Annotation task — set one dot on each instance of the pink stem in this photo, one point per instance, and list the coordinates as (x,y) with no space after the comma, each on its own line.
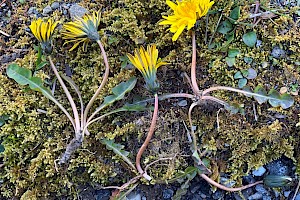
(146,142)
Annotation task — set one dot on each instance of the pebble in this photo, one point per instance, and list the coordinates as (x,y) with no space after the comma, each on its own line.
(182,103)
(77,10)
(248,179)
(103,194)
(134,196)
(258,43)
(47,10)
(226,182)
(260,189)
(277,167)
(286,193)
(168,193)
(277,52)
(32,10)
(255,196)
(283,90)
(55,5)
(259,172)
(219,194)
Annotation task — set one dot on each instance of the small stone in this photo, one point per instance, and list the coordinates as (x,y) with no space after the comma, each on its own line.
(260,189)
(286,193)
(55,5)
(144,198)
(103,194)
(277,52)
(31,10)
(255,196)
(168,193)
(77,11)
(258,43)
(226,182)
(182,103)
(283,90)
(134,196)
(297,197)
(248,179)
(219,194)
(259,172)
(47,10)
(278,168)
(294,93)
(264,65)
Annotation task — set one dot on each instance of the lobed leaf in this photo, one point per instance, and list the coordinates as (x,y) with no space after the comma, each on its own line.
(117,149)
(119,91)
(274,98)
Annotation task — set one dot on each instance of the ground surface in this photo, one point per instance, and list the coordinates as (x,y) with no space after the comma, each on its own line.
(265,138)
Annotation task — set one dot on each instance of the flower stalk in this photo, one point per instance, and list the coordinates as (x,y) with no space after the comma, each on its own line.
(147,140)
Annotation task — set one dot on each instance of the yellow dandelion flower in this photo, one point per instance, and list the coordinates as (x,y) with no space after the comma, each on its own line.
(186,13)
(43,32)
(82,30)
(147,63)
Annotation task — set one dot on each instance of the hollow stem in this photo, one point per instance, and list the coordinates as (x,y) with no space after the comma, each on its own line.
(222,187)
(193,67)
(146,142)
(73,105)
(104,80)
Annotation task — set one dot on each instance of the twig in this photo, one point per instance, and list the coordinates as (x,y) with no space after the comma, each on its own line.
(218,123)
(254,112)
(256,10)
(146,142)
(187,132)
(222,187)
(3,33)
(296,191)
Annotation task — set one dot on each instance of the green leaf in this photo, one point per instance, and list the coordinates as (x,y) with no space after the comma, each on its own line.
(274,98)
(242,82)
(235,13)
(225,27)
(230,61)
(23,76)
(262,94)
(119,91)
(275,101)
(190,172)
(3,118)
(232,108)
(238,75)
(252,74)
(41,65)
(244,72)
(118,149)
(286,101)
(233,53)
(250,38)
(134,107)
(248,60)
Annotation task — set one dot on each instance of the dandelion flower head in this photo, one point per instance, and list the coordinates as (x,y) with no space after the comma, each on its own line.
(43,32)
(186,13)
(82,30)
(147,63)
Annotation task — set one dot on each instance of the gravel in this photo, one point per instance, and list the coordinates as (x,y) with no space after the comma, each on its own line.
(77,11)
(47,10)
